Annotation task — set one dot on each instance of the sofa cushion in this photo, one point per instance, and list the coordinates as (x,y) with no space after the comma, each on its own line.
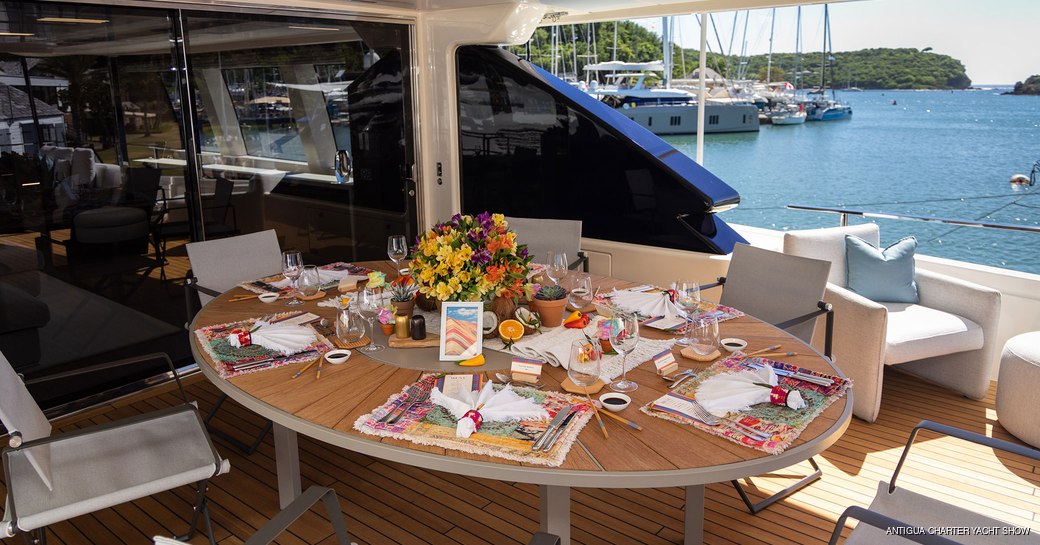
(829,245)
(881,275)
(916,332)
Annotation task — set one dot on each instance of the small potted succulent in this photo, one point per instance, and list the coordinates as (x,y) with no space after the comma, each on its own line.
(549,303)
(402,295)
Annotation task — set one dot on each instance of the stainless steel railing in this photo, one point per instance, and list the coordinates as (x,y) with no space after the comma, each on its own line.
(846,212)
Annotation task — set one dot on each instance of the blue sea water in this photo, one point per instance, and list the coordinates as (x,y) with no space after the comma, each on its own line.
(933,153)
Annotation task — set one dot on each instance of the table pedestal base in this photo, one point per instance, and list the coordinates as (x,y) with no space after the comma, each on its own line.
(287,465)
(694,528)
(555,511)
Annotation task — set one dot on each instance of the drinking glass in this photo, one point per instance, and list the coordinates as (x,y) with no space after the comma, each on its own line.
(624,337)
(584,368)
(310,281)
(292,267)
(397,250)
(688,298)
(580,286)
(368,305)
(703,335)
(350,326)
(557,268)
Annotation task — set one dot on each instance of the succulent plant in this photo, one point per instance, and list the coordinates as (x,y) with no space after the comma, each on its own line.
(550,293)
(403,289)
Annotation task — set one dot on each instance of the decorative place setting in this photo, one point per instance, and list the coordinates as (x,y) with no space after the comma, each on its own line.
(267,342)
(464,412)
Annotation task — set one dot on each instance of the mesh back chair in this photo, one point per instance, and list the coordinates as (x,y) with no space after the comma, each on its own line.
(544,235)
(55,478)
(217,266)
(786,291)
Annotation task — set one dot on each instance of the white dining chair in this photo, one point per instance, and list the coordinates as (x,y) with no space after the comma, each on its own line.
(55,478)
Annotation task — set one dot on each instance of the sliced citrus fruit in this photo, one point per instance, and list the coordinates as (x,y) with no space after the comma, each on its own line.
(510,331)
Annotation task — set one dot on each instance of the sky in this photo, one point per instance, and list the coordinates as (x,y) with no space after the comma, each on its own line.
(995,39)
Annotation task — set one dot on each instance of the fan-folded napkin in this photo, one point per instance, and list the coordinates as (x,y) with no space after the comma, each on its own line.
(285,338)
(656,303)
(501,406)
(729,392)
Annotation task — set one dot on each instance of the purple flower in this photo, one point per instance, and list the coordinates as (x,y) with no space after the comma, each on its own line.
(523,252)
(481,256)
(475,235)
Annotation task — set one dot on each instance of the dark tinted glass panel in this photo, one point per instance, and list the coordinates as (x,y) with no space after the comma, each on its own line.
(532,149)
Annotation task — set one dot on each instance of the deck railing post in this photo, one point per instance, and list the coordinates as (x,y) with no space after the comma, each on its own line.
(843,219)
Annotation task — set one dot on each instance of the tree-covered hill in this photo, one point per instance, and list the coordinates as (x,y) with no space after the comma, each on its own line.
(866,68)
(1030,87)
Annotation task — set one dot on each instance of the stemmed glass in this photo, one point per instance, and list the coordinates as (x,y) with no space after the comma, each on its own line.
(292,267)
(557,268)
(368,305)
(624,337)
(688,298)
(397,250)
(584,368)
(580,286)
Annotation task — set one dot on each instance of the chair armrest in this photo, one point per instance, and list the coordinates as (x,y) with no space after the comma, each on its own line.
(943,429)
(281,522)
(583,258)
(116,364)
(860,327)
(877,520)
(824,308)
(977,303)
(719,283)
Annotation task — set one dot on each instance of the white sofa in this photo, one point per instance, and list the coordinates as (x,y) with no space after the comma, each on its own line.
(948,338)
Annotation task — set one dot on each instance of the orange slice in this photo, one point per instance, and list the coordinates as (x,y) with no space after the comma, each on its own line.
(510,331)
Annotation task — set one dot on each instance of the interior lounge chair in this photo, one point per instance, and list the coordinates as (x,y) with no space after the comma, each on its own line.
(546,235)
(899,514)
(55,478)
(217,266)
(948,337)
(786,291)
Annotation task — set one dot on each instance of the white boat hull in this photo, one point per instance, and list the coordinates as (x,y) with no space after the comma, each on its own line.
(682,118)
(789,119)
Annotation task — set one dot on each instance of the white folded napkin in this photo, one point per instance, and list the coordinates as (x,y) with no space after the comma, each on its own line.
(652,304)
(728,392)
(285,338)
(501,406)
(552,345)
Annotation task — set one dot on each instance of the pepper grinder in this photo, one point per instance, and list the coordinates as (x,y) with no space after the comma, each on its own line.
(418,328)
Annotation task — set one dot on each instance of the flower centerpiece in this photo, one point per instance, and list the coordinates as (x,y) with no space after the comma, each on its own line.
(402,295)
(470,258)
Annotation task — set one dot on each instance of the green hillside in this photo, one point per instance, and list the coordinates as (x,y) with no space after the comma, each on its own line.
(866,68)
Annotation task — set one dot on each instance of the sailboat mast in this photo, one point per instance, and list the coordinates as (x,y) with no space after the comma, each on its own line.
(798,48)
(823,54)
(574,48)
(614,55)
(769,61)
(666,40)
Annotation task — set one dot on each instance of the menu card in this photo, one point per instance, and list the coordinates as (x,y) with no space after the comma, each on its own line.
(676,404)
(454,384)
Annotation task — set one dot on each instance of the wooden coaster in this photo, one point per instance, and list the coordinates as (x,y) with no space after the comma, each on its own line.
(690,354)
(568,386)
(429,341)
(356,344)
(318,295)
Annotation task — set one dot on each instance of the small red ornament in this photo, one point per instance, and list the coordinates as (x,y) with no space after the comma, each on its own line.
(475,417)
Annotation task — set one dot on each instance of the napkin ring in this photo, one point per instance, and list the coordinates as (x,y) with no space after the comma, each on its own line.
(239,337)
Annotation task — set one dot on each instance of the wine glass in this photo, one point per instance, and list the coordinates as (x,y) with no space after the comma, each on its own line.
(368,305)
(624,337)
(584,368)
(703,335)
(397,250)
(580,286)
(292,267)
(557,268)
(310,281)
(688,298)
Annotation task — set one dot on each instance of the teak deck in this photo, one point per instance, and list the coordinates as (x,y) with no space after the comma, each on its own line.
(392,503)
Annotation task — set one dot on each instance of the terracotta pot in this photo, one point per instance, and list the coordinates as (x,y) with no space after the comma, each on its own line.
(388,329)
(551,312)
(403,308)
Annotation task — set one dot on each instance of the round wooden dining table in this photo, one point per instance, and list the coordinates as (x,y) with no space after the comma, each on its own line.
(662,454)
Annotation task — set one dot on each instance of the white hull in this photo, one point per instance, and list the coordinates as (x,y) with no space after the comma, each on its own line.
(682,118)
(789,119)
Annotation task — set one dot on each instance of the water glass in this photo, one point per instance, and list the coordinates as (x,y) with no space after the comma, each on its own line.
(350,326)
(580,286)
(397,250)
(687,298)
(369,303)
(292,267)
(584,367)
(703,335)
(623,338)
(310,281)
(558,266)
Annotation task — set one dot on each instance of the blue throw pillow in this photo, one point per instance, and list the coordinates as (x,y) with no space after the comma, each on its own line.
(883,276)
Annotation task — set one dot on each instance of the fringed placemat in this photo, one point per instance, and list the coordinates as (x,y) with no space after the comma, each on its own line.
(276,283)
(429,424)
(782,424)
(231,362)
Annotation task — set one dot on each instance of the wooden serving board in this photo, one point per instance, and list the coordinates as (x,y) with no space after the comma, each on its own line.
(430,340)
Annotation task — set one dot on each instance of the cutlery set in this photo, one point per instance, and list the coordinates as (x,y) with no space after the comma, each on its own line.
(557,426)
(416,393)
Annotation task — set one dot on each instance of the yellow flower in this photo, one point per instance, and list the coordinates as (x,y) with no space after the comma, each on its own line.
(427,275)
(499,219)
(454,284)
(442,291)
(444,253)
(465,276)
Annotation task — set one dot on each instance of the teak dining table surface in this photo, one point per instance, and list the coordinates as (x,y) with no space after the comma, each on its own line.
(663,454)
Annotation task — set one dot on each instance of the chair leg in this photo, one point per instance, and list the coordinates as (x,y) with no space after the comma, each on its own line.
(201,508)
(36,537)
(754,508)
(247,449)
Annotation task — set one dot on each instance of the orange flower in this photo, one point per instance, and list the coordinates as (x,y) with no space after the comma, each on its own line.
(496,244)
(495,273)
